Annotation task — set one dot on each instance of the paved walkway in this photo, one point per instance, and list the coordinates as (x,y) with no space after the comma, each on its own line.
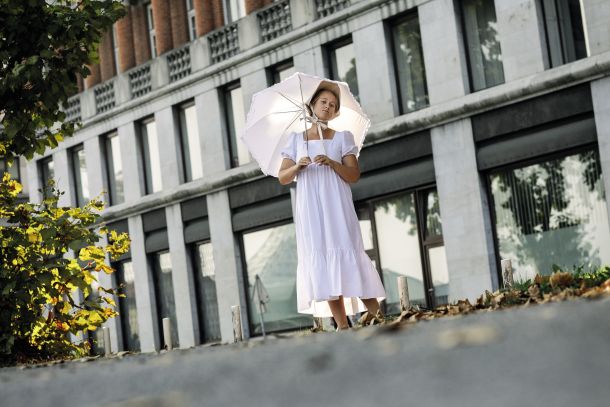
(547,355)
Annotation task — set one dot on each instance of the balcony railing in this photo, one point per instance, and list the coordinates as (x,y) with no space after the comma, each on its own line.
(224,43)
(327,7)
(140,81)
(104,96)
(179,63)
(274,20)
(72,109)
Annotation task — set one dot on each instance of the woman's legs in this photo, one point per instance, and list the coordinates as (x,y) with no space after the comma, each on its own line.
(371,304)
(337,308)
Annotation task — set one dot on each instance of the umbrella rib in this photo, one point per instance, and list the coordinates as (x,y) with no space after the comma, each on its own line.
(290,100)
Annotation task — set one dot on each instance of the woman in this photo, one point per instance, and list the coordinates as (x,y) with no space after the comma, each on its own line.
(334,274)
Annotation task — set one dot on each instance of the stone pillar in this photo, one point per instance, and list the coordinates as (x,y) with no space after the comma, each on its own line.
(94,77)
(212,132)
(204,16)
(179,22)
(218,13)
(465,212)
(446,71)
(374,67)
(182,278)
(140,34)
(522,38)
(248,32)
(106,57)
(600,89)
(133,181)
(169,148)
(250,84)
(124,33)
(63,178)
(302,12)
(227,263)
(596,20)
(311,61)
(145,290)
(163,25)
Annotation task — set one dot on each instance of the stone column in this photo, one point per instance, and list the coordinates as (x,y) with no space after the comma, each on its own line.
(133,181)
(169,148)
(140,34)
(464,209)
(106,57)
(374,67)
(211,125)
(182,278)
(145,291)
(179,22)
(227,263)
(600,89)
(124,33)
(596,19)
(204,16)
(521,38)
(94,77)
(311,61)
(250,84)
(446,71)
(163,25)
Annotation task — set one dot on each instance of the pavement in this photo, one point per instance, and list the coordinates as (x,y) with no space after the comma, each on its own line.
(554,354)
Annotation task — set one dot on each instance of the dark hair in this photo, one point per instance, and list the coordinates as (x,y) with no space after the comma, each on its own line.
(316,96)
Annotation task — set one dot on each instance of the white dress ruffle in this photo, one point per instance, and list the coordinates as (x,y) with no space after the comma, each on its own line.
(331,256)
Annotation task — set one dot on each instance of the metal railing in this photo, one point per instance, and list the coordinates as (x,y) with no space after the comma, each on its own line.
(274,20)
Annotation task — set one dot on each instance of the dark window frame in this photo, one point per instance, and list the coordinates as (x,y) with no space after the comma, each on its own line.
(145,154)
(119,281)
(273,71)
(77,182)
(330,59)
(185,147)
(109,166)
(229,121)
(43,174)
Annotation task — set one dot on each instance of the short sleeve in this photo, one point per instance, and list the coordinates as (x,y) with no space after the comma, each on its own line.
(289,150)
(349,145)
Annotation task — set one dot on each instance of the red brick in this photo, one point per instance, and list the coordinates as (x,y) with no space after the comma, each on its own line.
(94,77)
(204,17)
(163,26)
(124,36)
(252,5)
(106,56)
(218,13)
(179,22)
(140,34)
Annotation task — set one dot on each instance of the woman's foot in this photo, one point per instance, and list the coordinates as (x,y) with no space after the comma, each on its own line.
(369,319)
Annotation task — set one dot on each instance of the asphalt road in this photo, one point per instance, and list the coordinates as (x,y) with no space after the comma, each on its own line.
(546,355)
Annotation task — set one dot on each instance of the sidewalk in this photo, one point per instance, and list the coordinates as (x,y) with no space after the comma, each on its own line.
(546,355)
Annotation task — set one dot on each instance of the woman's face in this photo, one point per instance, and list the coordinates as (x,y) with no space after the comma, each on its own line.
(325,107)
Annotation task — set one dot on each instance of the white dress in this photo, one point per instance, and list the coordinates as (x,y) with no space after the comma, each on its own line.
(331,256)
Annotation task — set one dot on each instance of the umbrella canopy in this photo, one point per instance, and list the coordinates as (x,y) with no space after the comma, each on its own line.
(281,109)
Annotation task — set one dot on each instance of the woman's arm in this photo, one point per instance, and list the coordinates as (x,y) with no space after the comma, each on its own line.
(348,169)
(289,169)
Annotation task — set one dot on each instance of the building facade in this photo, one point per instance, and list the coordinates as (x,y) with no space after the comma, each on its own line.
(490,139)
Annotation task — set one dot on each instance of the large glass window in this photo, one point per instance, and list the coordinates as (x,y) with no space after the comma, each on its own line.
(482,44)
(236,120)
(553,212)
(207,301)
(192,25)
(191,144)
(127,305)
(150,25)
(342,64)
(79,173)
(115,50)
(409,60)
(164,293)
(399,249)
(47,172)
(281,71)
(114,170)
(12,169)
(233,10)
(271,256)
(149,144)
(565,33)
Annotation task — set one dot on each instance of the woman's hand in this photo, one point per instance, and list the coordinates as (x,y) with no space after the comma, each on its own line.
(324,160)
(303,162)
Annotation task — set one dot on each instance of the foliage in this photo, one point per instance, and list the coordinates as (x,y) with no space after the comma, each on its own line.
(43,46)
(39,282)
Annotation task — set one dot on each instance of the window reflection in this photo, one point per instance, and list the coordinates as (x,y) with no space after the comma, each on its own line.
(164,294)
(433,215)
(127,305)
(440,274)
(115,169)
(207,301)
(47,172)
(191,144)
(79,172)
(281,71)
(399,249)
(565,32)
(236,120)
(12,169)
(152,160)
(410,67)
(271,254)
(343,65)
(482,43)
(550,213)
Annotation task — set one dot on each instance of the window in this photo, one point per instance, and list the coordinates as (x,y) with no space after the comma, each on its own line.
(192,25)
(115,47)
(191,144)
(79,175)
(236,120)
(233,10)
(12,169)
(482,44)
(164,293)
(127,305)
(552,212)
(279,72)
(278,277)
(47,172)
(150,25)
(150,155)
(565,33)
(114,170)
(409,64)
(342,64)
(205,283)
